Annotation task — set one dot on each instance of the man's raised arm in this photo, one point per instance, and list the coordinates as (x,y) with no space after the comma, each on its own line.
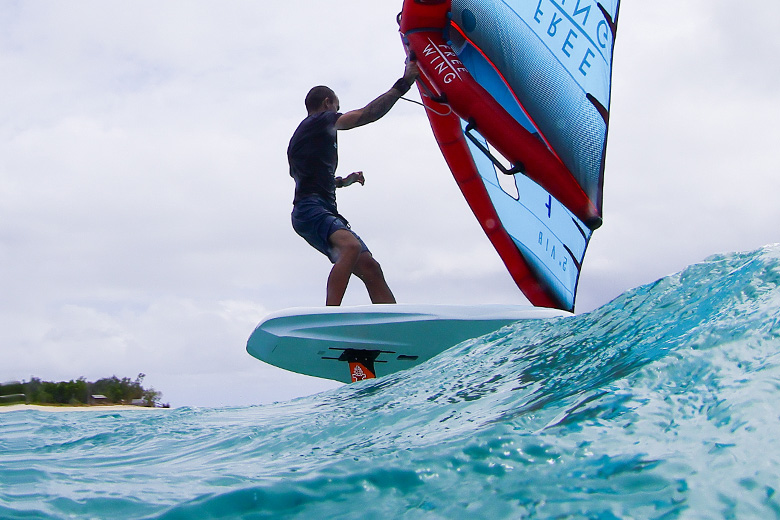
(381,105)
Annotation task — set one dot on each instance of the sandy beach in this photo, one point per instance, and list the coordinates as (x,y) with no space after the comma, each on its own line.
(15,407)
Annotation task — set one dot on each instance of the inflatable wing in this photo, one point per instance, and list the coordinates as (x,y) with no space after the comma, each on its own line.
(518,93)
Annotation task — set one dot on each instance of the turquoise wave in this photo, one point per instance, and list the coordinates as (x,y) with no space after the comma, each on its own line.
(661,404)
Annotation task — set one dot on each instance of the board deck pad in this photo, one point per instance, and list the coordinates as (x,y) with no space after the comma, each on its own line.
(348,344)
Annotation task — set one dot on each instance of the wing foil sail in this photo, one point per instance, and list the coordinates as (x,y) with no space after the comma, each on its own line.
(528,88)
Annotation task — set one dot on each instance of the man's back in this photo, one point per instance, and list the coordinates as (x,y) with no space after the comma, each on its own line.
(313,156)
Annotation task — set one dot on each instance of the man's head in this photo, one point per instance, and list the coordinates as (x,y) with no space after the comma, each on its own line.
(321,99)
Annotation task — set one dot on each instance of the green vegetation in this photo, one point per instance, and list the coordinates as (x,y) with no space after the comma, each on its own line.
(111,390)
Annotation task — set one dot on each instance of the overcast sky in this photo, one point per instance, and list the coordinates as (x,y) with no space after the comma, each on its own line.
(145,195)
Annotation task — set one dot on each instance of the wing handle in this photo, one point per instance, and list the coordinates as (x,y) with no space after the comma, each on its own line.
(516,168)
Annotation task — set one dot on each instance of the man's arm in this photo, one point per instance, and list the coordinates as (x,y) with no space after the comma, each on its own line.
(370,113)
(381,105)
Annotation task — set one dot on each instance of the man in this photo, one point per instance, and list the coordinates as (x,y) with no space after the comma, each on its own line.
(313,157)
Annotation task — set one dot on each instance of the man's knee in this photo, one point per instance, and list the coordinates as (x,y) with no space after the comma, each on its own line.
(344,244)
(368,267)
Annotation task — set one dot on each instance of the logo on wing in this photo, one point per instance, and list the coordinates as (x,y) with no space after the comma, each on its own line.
(444,61)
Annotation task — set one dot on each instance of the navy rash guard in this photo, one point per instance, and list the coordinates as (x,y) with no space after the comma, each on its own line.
(313,157)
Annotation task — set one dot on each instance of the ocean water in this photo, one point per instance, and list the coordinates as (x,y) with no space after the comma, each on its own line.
(664,403)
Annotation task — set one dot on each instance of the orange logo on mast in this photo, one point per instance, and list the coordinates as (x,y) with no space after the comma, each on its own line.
(359,371)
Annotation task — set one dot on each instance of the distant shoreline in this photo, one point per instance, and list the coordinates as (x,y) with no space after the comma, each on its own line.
(95,408)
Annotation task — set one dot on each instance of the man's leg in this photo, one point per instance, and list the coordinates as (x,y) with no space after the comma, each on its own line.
(352,259)
(347,249)
(369,270)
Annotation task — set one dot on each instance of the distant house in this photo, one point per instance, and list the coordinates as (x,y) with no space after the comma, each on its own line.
(138,402)
(98,399)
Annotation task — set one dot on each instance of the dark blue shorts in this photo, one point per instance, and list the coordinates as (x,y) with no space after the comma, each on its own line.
(316,220)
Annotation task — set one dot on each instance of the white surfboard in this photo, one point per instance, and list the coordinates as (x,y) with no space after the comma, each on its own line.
(352,343)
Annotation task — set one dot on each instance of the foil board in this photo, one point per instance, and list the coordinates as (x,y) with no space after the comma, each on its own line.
(349,344)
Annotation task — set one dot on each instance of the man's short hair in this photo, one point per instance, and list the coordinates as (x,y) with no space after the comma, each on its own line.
(316,96)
